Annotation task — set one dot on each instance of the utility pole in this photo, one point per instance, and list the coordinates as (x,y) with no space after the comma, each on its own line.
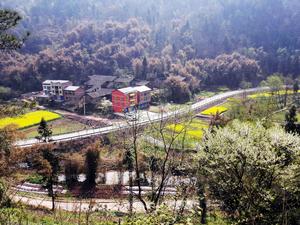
(84,105)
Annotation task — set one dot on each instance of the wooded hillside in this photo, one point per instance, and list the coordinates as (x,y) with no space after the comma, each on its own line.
(209,42)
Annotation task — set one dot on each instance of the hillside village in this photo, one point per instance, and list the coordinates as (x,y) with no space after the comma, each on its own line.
(123,97)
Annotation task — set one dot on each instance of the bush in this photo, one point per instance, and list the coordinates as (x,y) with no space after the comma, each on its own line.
(4,198)
(35,179)
(71,173)
(13,216)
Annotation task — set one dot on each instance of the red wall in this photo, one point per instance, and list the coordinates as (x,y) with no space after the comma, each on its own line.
(118,105)
(120,100)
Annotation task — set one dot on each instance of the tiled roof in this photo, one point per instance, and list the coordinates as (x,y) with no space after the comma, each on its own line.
(98,82)
(142,83)
(100,93)
(100,79)
(124,80)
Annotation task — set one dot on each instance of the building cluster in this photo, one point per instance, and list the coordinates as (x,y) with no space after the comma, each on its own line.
(126,94)
(62,90)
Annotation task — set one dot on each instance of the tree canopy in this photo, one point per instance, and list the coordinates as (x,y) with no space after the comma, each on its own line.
(209,42)
(251,170)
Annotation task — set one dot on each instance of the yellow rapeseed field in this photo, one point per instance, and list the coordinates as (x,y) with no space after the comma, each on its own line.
(214,110)
(195,129)
(268,94)
(29,119)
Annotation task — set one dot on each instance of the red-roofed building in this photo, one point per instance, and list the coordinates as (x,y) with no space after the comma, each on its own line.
(130,98)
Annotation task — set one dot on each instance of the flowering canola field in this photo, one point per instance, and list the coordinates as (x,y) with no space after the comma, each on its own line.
(214,110)
(195,129)
(269,94)
(29,119)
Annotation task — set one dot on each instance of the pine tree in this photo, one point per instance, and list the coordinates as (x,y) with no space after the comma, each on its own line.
(8,20)
(44,131)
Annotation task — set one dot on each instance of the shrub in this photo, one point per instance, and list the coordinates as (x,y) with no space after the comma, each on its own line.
(35,179)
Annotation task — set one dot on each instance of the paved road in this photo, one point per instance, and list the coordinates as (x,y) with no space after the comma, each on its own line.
(97,204)
(201,105)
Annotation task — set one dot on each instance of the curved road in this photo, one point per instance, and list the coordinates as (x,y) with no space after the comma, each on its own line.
(199,106)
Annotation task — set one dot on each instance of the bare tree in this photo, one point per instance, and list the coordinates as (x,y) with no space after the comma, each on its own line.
(172,134)
(164,134)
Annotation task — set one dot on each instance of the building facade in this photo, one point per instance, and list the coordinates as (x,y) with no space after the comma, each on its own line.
(73,94)
(55,88)
(129,99)
(144,96)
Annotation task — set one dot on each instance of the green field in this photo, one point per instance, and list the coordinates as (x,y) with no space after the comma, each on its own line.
(61,126)
(29,119)
(191,132)
(280,116)
(206,94)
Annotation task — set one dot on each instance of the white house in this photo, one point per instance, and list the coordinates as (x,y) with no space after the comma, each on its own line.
(55,88)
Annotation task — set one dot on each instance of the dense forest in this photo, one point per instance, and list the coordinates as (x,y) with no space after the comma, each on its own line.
(188,44)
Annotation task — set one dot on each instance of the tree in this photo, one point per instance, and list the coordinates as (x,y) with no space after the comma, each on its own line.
(71,173)
(91,167)
(144,68)
(8,136)
(217,121)
(296,87)
(5,93)
(8,20)
(275,82)
(296,98)
(246,166)
(105,107)
(48,166)
(177,90)
(291,125)
(128,160)
(144,153)
(44,131)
